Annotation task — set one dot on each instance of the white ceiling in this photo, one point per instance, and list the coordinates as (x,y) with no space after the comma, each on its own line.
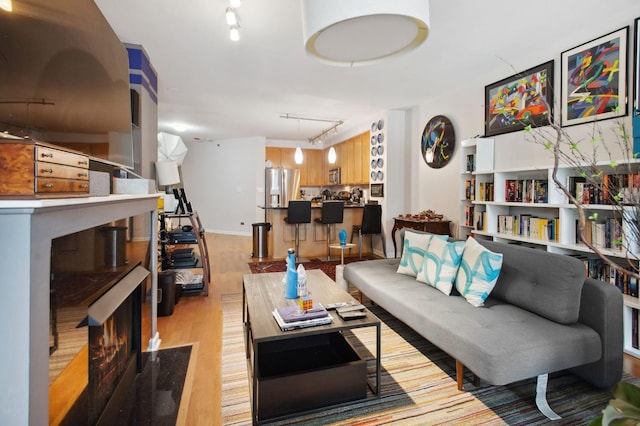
(221,89)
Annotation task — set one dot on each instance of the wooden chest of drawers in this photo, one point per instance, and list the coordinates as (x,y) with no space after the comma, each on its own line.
(38,170)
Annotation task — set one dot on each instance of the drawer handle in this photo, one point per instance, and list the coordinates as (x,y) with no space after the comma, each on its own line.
(47,170)
(84,186)
(45,155)
(83,163)
(82,175)
(48,185)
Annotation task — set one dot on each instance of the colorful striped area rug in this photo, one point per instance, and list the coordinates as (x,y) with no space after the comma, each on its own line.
(418,385)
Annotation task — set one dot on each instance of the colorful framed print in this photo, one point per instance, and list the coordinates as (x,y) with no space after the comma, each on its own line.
(438,142)
(594,79)
(524,99)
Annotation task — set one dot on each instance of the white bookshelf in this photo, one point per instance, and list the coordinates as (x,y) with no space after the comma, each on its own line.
(556,206)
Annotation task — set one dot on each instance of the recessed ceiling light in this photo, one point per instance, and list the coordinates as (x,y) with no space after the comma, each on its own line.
(179,127)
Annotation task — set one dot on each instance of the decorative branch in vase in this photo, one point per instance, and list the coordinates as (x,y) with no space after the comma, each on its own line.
(614,179)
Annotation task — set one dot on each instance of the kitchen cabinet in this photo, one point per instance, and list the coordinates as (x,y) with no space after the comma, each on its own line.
(315,167)
(349,161)
(274,155)
(352,156)
(287,158)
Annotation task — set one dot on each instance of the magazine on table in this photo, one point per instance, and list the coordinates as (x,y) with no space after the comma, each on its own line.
(295,314)
(285,326)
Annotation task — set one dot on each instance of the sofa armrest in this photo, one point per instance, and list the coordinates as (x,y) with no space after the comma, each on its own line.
(601,308)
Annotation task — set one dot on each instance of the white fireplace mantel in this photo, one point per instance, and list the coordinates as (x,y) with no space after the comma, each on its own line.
(29,226)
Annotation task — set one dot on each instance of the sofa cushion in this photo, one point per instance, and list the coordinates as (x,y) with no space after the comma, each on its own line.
(547,284)
(414,247)
(441,262)
(478,272)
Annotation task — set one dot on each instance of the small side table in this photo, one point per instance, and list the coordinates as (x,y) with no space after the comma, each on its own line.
(342,248)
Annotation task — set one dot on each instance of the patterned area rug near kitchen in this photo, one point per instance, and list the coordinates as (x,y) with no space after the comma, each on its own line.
(418,385)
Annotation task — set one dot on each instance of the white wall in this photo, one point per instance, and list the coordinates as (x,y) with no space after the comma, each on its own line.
(223,181)
(438,189)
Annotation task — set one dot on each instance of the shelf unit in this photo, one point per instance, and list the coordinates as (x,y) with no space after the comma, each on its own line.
(556,206)
(200,261)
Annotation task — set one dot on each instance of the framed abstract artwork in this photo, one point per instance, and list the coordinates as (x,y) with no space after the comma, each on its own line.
(594,79)
(438,142)
(524,99)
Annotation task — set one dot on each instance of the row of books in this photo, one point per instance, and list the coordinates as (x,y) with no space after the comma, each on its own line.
(526,225)
(604,234)
(598,269)
(470,189)
(471,163)
(484,190)
(526,190)
(606,189)
(475,219)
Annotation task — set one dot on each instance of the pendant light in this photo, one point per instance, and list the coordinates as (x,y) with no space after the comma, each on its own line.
(356,32)
(332,155)
(6,5)
(298,157)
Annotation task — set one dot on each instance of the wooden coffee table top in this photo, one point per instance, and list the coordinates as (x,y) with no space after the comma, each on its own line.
(262,293)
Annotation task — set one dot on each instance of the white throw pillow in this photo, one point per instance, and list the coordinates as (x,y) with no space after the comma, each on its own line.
(478,272)
(441,262)
(415,246)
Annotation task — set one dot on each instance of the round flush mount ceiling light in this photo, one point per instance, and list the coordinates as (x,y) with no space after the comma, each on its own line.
(356,32)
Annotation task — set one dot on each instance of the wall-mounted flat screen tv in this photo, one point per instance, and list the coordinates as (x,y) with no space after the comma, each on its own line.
(64,78)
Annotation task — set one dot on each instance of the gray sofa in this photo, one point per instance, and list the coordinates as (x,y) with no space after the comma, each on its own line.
(542,316)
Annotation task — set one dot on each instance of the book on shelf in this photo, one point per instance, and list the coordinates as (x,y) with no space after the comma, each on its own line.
(294,325)
(479,220)
(526,225)
(526,190)
(604,234)
(485,191)
(471,163)
(606,188)
(634,328)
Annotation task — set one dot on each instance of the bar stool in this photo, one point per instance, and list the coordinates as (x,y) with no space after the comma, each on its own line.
(298,211)
(371,225)
(332,212)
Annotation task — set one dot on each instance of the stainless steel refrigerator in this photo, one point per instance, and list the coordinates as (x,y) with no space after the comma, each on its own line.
(280,186)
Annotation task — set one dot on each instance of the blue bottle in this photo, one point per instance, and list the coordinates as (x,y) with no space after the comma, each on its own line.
(291,285)
(342,236)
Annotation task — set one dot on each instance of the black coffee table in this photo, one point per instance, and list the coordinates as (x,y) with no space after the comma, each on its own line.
(303,370)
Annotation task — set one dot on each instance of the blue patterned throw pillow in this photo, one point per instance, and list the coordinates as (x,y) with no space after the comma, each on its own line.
(415,246)
(440,266)
(478,272)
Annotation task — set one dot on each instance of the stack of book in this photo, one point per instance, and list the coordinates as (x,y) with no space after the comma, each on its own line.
(292,317)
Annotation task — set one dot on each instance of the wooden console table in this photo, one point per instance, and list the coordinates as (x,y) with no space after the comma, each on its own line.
(434,226)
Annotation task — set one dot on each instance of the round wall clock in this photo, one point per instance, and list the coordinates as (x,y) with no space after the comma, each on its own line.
(438,142)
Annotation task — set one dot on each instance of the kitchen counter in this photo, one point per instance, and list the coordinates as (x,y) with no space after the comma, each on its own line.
(315,206)
(313,236)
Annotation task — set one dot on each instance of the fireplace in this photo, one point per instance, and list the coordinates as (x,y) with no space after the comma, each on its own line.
(96,314)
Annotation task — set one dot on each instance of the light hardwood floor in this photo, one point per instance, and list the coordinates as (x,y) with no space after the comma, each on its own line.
(199,319)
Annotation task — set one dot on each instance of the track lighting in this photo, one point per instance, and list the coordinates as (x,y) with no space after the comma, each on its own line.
(232,19)
(234,33)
